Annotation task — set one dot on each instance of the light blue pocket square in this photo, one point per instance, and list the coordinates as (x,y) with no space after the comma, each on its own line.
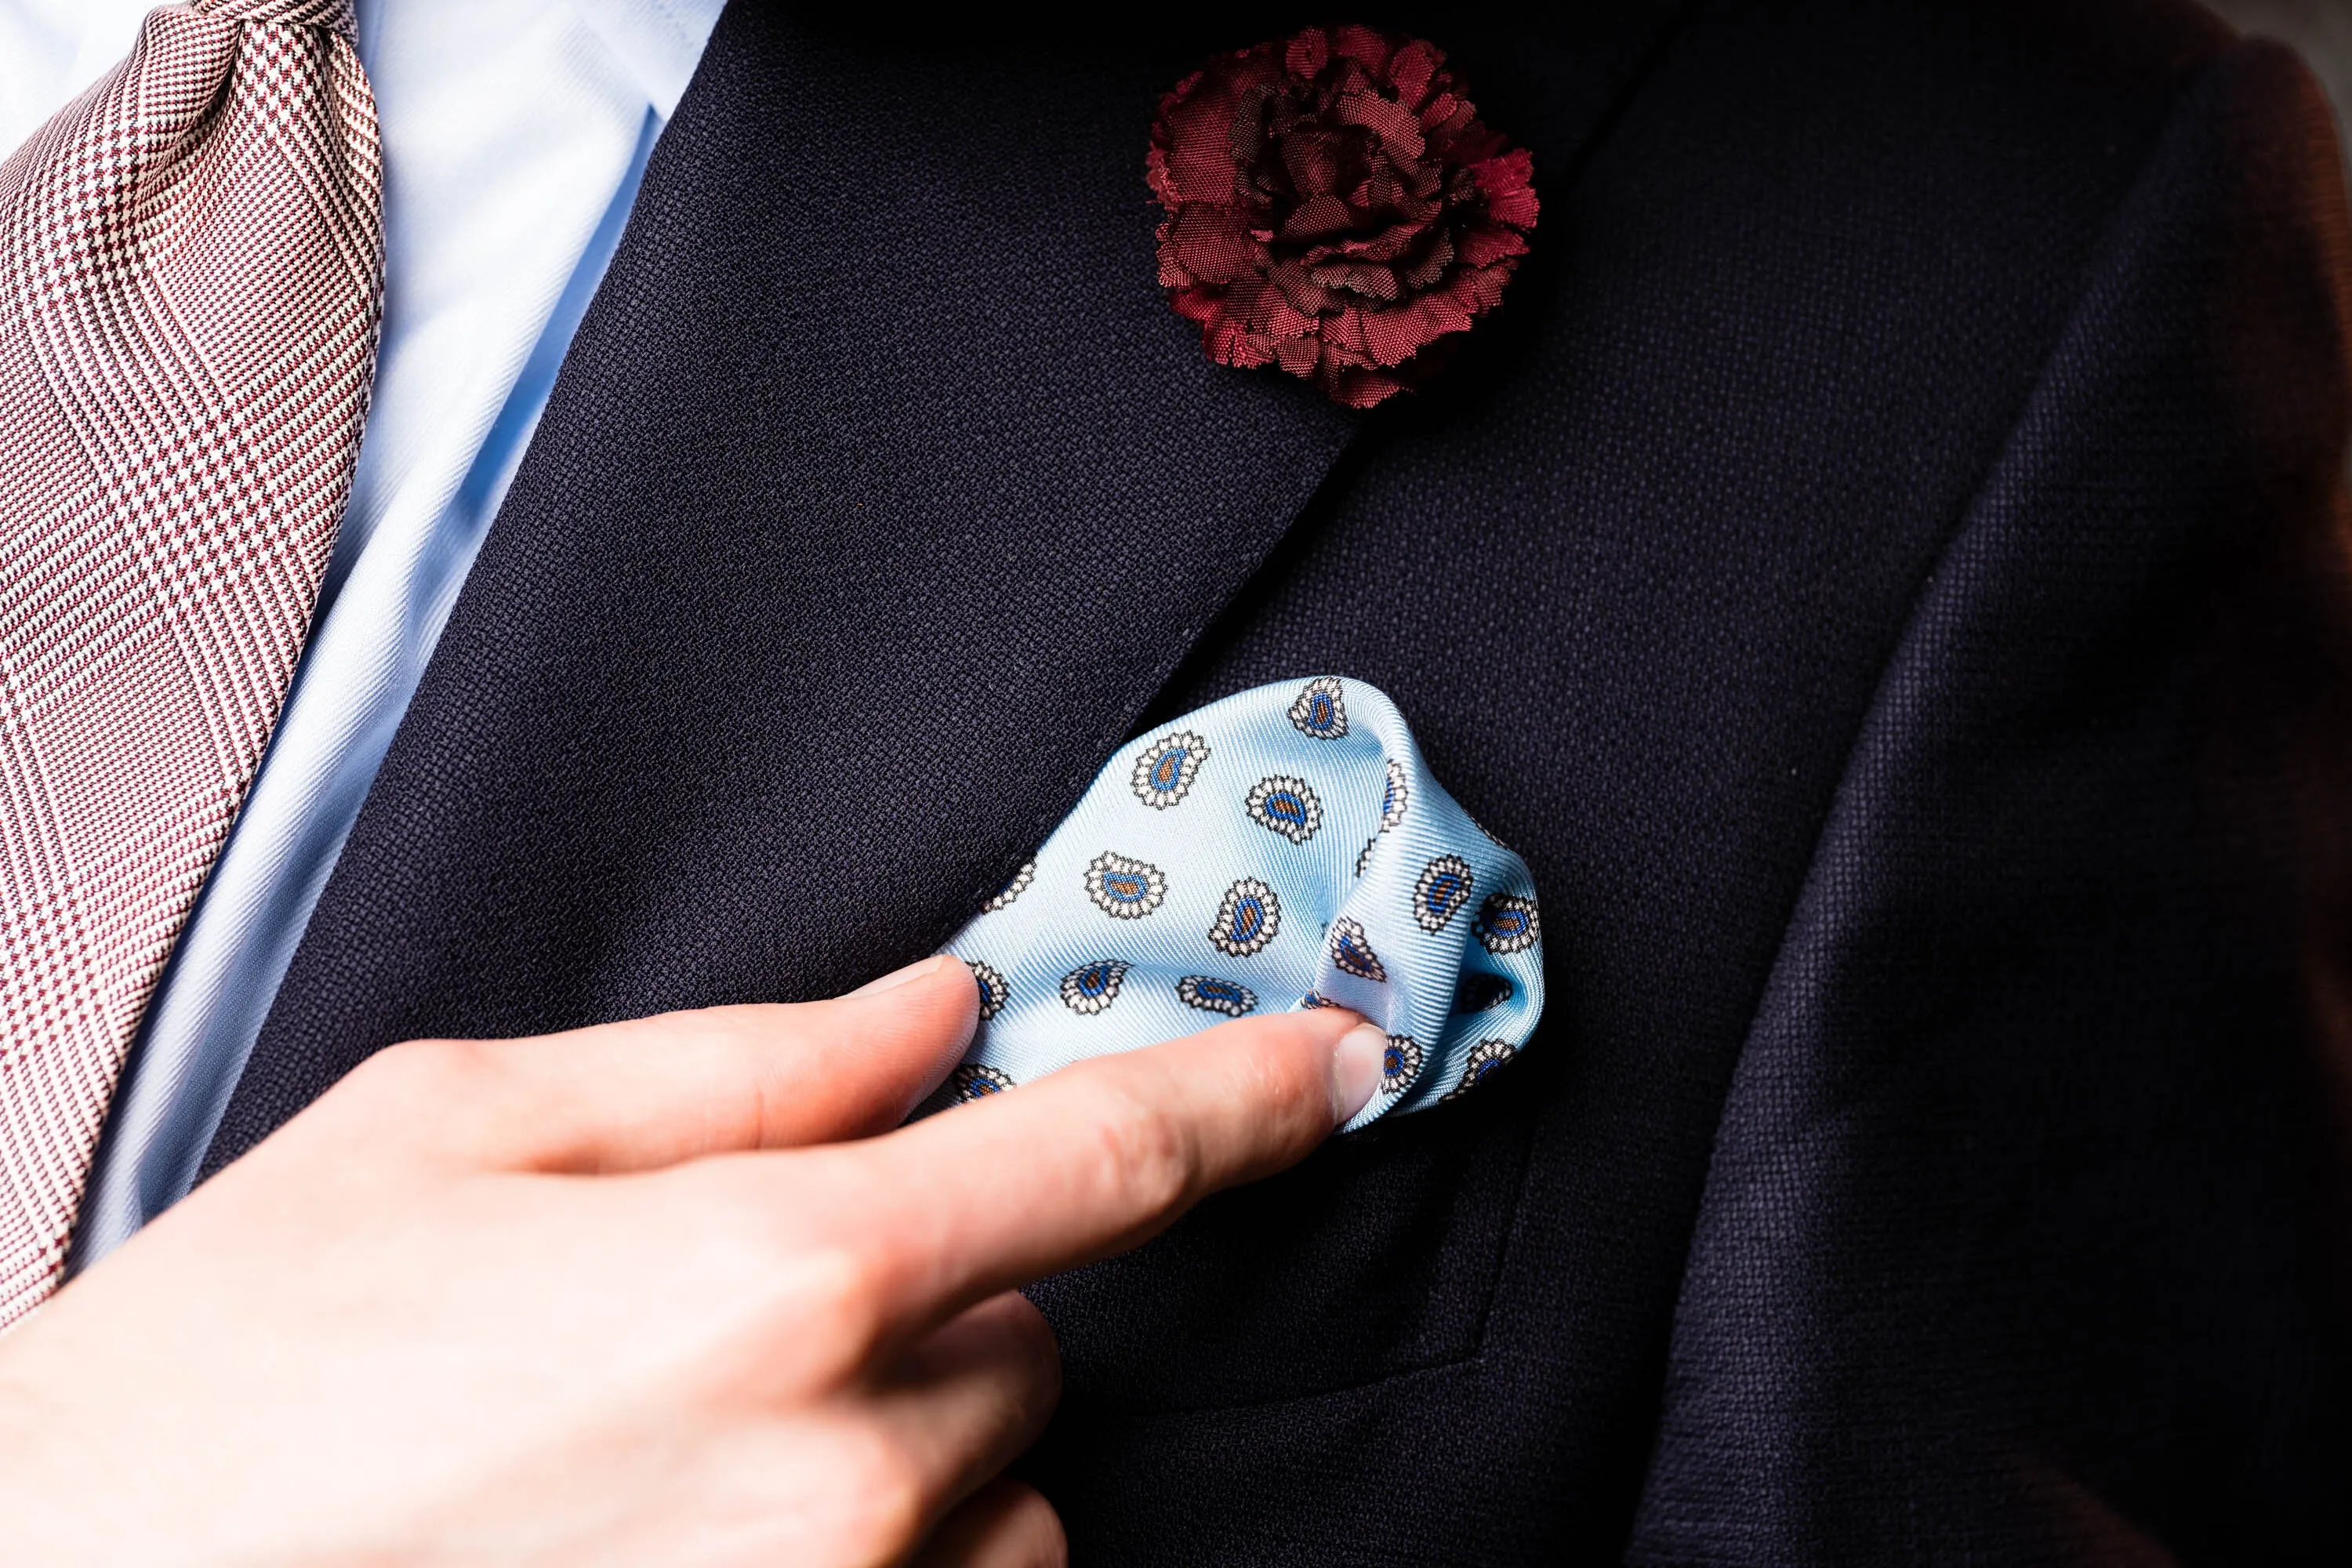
(1286,848)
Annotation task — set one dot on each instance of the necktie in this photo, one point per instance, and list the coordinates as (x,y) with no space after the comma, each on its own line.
(1284,848)
(191,277)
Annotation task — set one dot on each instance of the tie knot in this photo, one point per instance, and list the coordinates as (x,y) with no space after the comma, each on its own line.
(334,16)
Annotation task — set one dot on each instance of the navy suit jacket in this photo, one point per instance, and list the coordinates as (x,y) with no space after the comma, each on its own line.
(1884,569)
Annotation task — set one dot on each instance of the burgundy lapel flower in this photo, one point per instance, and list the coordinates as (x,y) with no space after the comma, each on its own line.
(1335,208)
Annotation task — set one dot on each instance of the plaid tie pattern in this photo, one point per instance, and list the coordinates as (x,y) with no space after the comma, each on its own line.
(191,279)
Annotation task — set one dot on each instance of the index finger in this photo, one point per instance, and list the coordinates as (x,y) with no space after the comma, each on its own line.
(1097,1157)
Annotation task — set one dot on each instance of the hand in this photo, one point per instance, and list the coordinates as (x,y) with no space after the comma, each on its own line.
(670,1291)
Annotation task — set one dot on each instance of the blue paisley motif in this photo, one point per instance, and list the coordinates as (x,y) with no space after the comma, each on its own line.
(1484,1059)
(972,1081)
(1164,773)
(1247,920)
(1443,888)
(1400,1064)
(991,987)
(1122,889)
(1285,806)
(1213,996)
(1351,949)
(1508,923)
(1321,711)
(1091,987)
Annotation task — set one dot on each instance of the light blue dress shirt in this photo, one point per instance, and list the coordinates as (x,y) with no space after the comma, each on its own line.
(514,133)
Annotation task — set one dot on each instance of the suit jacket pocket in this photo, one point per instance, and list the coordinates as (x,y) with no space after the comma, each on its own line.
(1376,1256)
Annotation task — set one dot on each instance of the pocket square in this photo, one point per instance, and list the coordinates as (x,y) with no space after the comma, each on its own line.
(1284,848)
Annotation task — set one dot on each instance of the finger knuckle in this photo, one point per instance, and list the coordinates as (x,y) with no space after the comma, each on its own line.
(830,1300)
(799,1276)
(1037,1530)
(884,1495)
(426,1073)
(1031,1353)
(846,1291)
(1032,1338)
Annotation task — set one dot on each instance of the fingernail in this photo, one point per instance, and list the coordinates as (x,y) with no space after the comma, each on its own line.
(898,977)
(1355,1067)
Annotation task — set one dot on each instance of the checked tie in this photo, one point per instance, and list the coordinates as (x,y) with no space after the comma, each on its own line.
(1286,848)
(191,279)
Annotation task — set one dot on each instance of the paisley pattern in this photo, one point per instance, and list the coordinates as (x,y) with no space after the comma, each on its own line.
(1213,996)
(1287,846)
(1122,889)
(1396,797)
(1445,886)
(1400,1064)
(1247,920)
(971,1081)
(1351,949)
(1484,1059)
(1013,888)
(1165,769)
(1321,711)
(1507,923)
(1091,987)
(1285,806)
(991,987)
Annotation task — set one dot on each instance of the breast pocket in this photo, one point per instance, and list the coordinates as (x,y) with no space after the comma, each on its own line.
(1376,1256)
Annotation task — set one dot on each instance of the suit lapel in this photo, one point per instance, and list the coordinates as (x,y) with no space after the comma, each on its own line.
(879,493)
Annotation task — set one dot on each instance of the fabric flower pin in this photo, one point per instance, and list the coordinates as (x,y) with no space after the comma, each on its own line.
(1335,208)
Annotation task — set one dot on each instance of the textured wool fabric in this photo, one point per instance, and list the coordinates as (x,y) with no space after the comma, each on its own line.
(1286,848)
(1878,568)
(191,274)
